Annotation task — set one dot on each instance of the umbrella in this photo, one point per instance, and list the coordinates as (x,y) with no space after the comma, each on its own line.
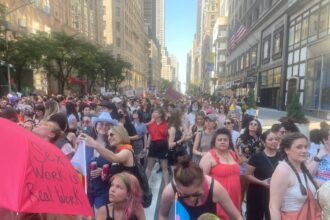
(36,177)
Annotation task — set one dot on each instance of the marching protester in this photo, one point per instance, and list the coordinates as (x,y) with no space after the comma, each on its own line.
(259,171)
(247,145)
(158,145)
(292,187)
(221,163)
(125,199)
(198,193)
(120,132)
(202,142)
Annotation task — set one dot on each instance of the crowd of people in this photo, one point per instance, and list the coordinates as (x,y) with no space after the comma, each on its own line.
(213,156)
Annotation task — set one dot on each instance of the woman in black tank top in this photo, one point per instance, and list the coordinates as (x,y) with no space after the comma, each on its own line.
(196,210)
(125,197)
(197,193)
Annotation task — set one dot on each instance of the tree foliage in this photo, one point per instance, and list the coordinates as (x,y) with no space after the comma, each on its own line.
(251,101)
(164,84)
(194,90)
(295,110)
(63,56)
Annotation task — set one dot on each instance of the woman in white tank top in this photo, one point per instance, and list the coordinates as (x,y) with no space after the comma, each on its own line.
(292,186)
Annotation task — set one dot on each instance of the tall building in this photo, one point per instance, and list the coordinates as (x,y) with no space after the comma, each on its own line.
(160,22)
(154,52)
(150,17)
(154,64)
(282,48)
(256,47)
(74,17)
(124,35)
(308,55)
(209,13)
(219,48)
(188,69)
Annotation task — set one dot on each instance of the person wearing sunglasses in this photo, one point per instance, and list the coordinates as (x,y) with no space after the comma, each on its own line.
(198,193)
(247,145)
(279,130)
(98,187)
(229,124)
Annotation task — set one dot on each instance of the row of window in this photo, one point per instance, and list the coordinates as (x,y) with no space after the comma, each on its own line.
(271,78)
(277,46)
(310,25)
(317,86)
(246,61)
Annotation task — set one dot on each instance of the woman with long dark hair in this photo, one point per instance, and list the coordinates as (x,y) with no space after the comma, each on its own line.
(247,145)
(260,169)
(176,138)
(292,187)
(221,163)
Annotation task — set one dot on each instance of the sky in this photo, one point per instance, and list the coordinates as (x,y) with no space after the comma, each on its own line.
(180,28)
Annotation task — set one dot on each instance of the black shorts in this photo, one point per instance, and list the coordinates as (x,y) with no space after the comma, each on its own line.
(158,149)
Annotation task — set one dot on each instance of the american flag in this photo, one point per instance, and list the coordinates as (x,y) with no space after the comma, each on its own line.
(237,36)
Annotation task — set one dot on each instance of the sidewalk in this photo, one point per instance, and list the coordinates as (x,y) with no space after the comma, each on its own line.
(269,116)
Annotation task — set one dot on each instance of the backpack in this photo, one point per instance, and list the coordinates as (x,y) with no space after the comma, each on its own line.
(143,180)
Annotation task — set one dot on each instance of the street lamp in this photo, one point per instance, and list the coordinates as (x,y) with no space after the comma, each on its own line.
(29,2)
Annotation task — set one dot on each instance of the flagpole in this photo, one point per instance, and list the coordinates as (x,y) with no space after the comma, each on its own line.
(85,168)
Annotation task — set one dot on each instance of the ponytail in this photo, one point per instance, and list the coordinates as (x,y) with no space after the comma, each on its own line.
(187,173)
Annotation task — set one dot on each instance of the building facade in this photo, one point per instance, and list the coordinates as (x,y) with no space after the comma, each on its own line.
(188,69)
(256,49)
(308,60)
(284,49)
(125,37)
(209,14)
(151,23)
(219,48)
(74,17)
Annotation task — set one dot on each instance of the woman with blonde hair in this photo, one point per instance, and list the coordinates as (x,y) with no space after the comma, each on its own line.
(121,157)
(125,196)
(51,107)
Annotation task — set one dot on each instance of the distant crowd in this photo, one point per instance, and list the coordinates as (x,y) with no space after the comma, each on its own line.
(213,155)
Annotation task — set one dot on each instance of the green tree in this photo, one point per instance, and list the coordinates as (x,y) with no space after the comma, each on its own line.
(24,54)
(251,101)
(164,84)
(117,74)
(63,55)
(194,90)
(295,110)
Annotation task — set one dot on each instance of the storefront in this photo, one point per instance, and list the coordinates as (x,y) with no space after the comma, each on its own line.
(270,83)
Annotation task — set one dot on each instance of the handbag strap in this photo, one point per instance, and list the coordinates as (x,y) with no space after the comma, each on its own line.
(200,141)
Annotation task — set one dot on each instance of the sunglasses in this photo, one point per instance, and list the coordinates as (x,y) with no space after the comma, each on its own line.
(196,194)
(227,123)
(111,134)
